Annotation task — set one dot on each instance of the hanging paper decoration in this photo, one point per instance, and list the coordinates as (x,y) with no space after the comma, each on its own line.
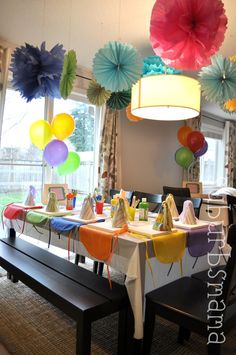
(117,66)
(36,71)
(68,75)
(229,106)
(154,65)
(132,117)
(96,94)
(218,80)
(119,100)
(187,33)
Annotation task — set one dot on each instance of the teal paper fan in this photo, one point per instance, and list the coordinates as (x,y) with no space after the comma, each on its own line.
(154,65)
(117,66)
(96,94)
(119,100)
(218,80)
(68,74)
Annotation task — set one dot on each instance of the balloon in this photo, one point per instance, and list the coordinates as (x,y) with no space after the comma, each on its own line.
(70,165)
(63,125)
(201,151)
(184,157)
(40,133)
(182,134)
(195,141)
(55,152)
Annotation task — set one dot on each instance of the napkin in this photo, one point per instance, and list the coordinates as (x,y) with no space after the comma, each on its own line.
(120,217)
(188,215)
(52,205)
(30,199)
(172,206)
(163,220)
(87,211)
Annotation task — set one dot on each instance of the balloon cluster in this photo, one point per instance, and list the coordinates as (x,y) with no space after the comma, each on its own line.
(55,151)
(194,146)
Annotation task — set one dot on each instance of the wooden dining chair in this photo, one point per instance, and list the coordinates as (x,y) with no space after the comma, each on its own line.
(154,200)
(113,192)
(196,306)
(231,203)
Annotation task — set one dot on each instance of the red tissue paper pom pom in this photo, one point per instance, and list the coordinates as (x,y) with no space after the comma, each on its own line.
(185,34)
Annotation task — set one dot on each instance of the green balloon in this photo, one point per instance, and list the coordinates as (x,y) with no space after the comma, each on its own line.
(70,164)
(184,157)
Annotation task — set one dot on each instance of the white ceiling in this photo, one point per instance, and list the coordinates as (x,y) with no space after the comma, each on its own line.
(86,25)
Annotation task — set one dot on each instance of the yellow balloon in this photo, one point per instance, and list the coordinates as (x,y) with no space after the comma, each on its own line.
(63,125)
(40,133)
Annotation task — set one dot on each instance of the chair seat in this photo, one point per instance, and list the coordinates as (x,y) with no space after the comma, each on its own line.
(190,301)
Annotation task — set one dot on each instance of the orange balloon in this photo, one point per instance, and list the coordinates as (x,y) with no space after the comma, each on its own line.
(182,135)
(130,116)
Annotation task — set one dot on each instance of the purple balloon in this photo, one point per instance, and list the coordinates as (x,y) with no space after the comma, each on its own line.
(201,151)
(55,152)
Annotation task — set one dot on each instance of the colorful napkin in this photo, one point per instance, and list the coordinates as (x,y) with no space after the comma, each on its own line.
(172,206)
(119,219)
(170,248)
(163,220)
(87,211)
(188,215)
(52,205)
(37,218)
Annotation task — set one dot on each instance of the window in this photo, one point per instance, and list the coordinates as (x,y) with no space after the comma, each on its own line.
(22,163)
(212,173)
(20,160)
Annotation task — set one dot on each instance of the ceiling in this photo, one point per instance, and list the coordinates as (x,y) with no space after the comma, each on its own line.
(86,25)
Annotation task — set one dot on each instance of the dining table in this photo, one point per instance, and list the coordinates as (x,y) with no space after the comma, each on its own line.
(147,258)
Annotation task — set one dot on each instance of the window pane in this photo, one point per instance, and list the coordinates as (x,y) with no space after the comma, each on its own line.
(20,160)
(81,141)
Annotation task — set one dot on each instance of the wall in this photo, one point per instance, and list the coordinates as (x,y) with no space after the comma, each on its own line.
(147,154)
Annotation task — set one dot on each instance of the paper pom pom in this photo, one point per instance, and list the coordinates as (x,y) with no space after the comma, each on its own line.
(187,33)
(68,75)
(36,71)
(117,66)
(130,116)
(229,106)
(96,94)
(218,80)
(119,100)
(154,65)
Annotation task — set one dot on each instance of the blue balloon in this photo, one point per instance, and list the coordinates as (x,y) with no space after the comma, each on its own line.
(201,151)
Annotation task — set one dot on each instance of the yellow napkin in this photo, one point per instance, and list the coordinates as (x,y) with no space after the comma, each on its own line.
(170,248)
(120,217)
(172,206)
(164,219)
(52,205)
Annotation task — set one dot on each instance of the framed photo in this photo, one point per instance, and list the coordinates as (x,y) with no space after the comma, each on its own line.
(60,191)
(194,187)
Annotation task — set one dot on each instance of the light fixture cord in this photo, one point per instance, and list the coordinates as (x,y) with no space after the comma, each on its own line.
(119,17)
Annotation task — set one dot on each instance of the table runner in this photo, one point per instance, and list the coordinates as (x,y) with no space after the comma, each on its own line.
(198,243)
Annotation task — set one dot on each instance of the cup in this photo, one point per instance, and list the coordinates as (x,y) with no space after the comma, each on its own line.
(99,207)
(131,211)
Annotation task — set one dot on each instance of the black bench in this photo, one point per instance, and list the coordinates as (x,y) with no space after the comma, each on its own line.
(81,294)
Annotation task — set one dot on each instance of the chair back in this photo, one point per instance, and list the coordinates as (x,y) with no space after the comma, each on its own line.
(116,192)
(154,200)
(229,285)
(176,191)
(231,202)
(179,201)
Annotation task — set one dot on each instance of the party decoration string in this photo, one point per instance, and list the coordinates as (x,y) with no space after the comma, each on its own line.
(36,71)
(117,66)
(187,33)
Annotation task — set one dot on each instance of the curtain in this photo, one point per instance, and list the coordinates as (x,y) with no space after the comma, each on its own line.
(193,173)
(230,152)
(107,164)
(5,58)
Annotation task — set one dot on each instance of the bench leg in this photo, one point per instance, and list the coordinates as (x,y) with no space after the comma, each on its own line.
(8,275)
(95,267)
(100,268)
(14,279)
(11,233)
(83,337)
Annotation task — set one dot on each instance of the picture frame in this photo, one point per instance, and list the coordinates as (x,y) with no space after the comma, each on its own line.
(195,187)
(60,190)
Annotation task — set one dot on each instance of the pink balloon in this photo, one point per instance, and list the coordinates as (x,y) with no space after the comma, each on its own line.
(55,152)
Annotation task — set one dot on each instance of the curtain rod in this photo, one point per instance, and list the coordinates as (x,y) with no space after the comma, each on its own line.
(83,77)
